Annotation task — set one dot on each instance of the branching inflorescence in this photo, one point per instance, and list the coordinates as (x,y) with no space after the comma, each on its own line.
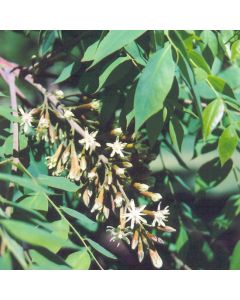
(105,167)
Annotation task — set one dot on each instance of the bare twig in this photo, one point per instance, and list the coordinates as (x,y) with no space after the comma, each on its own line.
(10,79)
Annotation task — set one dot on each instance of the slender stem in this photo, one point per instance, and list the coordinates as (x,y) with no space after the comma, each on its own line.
(13,99)
(58,210)
(123,192)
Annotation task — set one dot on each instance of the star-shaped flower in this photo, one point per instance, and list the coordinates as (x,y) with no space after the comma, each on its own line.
(117,147)
(26,119)
(89,140)
(160,216)
(135,214)
(119,234)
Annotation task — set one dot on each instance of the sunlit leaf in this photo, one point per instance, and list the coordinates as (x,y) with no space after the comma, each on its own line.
(227,144)
(212,115)
(154,85)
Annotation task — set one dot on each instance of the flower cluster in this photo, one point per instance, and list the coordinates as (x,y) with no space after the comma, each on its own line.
(107,167)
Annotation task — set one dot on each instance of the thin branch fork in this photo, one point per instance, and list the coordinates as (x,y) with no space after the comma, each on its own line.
(7,66)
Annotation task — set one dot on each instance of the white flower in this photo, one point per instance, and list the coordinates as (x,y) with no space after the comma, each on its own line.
(119,234)
(89,140)
(117,147)
(26,119)
(135,214)
(68,114)
(156,196)
(160,216)
(118,200)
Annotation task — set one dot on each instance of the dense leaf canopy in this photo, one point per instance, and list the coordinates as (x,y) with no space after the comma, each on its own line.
(119,149)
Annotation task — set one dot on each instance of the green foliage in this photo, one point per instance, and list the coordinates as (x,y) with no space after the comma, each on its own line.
(212,115)
(154,85)
(175,96)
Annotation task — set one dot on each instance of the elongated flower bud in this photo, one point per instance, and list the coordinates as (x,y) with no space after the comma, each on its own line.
(135,239)
(155,258)
(141,187)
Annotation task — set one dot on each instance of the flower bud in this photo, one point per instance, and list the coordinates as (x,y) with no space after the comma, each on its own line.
(141,187)
(156,196)
(119,171)
(86,196)
(59,94)
(68,114)
(155,258)
(153,196)
(95,105)
(83,163)
(166,228)
(92,175)
(127,164)
(116,131)
(118,199)
(135,240)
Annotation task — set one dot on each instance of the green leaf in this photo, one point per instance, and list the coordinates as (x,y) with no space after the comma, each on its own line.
(136,52)
(235,51)
(2,95)
(227,144)
(82,220)
(200,74)
(199,61)
(36,236)
(36,201)
(79,260)
(18,206)
(154,125)
(181,239)
(176,132)
(47,42)
(67,72)
(212,173)
(207,251)
(15,249)
(41,262)
(22,181)
(90,52)
(6,261)
(6,112)
(100,249)
(7,147)
(109,69)
(212,115)
(61,229)
(185,67)
(61,183)
(220,86)
(235,258)
(154,85)
(113,41)
(210,39)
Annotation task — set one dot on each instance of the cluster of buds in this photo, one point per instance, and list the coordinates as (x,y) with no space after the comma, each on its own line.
(106,167)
